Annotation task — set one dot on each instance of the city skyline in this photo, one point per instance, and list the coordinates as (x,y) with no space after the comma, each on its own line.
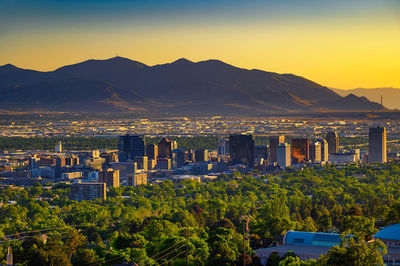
(345,44)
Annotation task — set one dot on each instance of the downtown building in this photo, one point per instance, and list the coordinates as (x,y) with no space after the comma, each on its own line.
(300,151)
(333,142)
(377,145)
(274,142)
(130,146)
(242,149)
(283,155)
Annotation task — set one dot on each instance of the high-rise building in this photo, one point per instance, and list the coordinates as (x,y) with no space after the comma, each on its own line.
(87,191)
(333,142)
(126,169)
(242,149)
(178,158)
(324,150)
(283,155)
(315,151)
(223,146)
(58,147)
(165,148)
(274,141)
(130,146)
(201,155)
(138,179)
(110,177)
(152,151)
(164,163)
(300,151)
(142,162)
(377,145)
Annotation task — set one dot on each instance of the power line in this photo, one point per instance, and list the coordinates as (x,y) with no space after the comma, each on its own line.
(173,258)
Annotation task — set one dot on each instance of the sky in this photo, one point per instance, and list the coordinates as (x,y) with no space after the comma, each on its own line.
(342,43)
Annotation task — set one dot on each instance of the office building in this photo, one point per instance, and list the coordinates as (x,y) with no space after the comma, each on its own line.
(283,155)
(164,163)
(138,179)
(178,158)
(87,191)
(142,162)
(242,149)
(130,146)
(274,141)
(345,157)
(300,150)
(110,177)
(324,150)
(377,145)
(126,169)
(315,151)
(223,146)
(201,155)
(165,148)
(152,151)
(333,142)
(151,164)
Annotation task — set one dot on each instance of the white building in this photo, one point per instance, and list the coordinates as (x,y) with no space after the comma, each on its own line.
(283,155)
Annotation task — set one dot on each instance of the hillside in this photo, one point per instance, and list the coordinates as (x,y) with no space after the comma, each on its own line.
(391,96)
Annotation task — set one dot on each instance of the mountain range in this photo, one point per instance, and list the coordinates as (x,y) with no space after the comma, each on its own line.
(181,87)
(390,96)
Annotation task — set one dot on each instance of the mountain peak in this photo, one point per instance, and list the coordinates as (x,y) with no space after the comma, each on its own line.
(9,67)
(182,61)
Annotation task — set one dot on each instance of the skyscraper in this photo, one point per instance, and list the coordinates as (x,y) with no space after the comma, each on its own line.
(283,155)
(315,151)
(324,150)
(165,148)
(377,145)
(223,146)
(300,151)
(142,162)
(242,149)
(274,141)
(201,155)
(333,142)
(178,158)
(130,146)
(152,151)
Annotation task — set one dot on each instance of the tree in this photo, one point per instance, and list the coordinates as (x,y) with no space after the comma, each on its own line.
(362,227)
(355,253)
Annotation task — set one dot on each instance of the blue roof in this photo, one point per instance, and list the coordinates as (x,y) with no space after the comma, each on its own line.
(391,232)
(312,239)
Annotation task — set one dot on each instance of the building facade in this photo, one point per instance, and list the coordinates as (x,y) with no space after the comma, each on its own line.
(333,142)
(274,142)
(130,146)
(300,151)
(242,149)
(377,145)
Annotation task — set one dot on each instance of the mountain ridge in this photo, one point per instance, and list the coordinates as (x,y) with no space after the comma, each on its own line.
(204,87)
